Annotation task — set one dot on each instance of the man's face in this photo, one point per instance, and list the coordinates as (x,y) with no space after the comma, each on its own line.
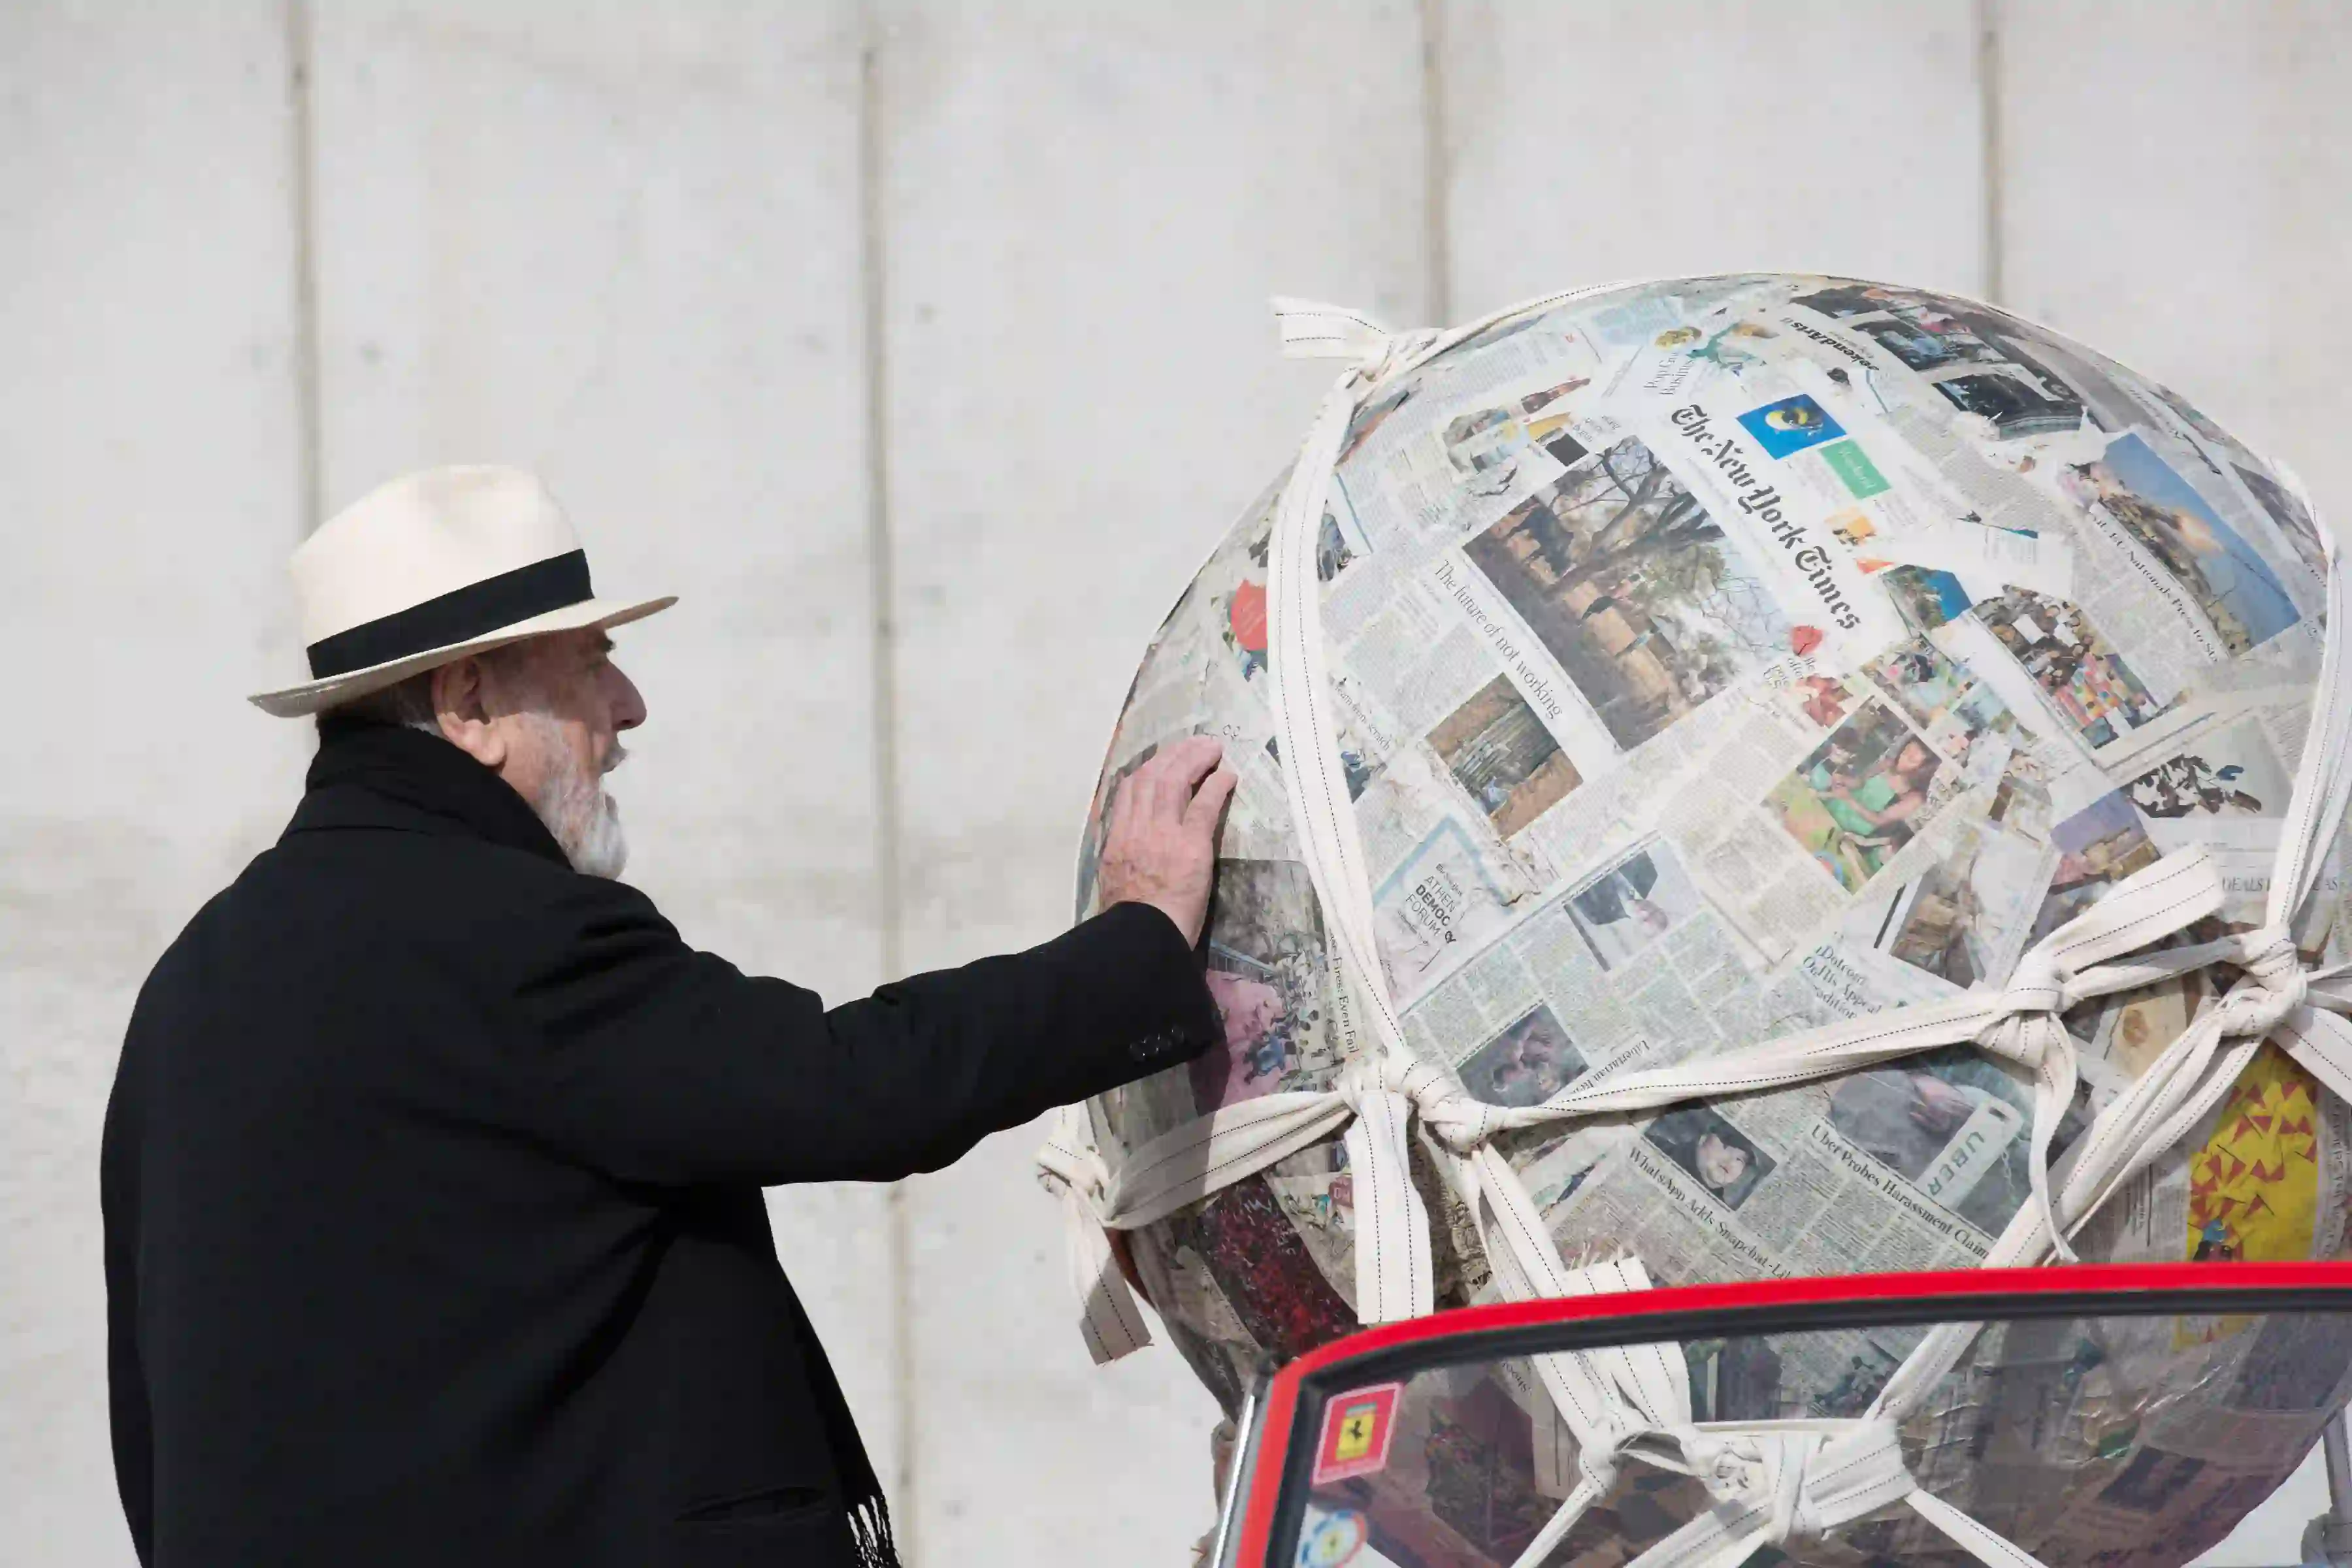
(575,684)
(553,712)
(1720,1165)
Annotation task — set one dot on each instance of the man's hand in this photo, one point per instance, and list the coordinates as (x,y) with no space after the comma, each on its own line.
(1161,846)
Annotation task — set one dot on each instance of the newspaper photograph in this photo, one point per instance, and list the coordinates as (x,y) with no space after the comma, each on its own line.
(1966,919)
(2099,696)
(1633,591)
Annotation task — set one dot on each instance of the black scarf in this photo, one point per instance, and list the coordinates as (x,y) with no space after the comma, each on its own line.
(861,1489)
(427,773)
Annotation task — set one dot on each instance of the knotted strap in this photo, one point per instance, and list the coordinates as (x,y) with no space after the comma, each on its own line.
(1394,1279)
(1310,328)
(1769,1482)
(1072,1169)
(1774,1482)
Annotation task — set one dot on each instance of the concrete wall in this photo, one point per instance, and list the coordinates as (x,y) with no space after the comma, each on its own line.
(921,346)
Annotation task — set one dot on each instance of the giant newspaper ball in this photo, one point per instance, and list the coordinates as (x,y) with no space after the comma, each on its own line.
(1713,659)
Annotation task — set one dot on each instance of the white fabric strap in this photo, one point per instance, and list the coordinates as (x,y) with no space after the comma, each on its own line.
(1313,778)
(1393,1272)
(1773,1482)
(2323,778)
(1072,1167)
(1989,1547)
(1188,1163)
(1609,1395)
(1310,328)
(1393,1277)
(1602,1394)
(2322,1041)
(1587,1492)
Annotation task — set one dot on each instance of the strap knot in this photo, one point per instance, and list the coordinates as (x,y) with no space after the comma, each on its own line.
(1313,330)
(1597,1464)
(2272,985)
(1805,1480)
(1393,1274)
(1375,1072)
(1070,1164)
(1402,349)
(1732,1470)
(1459,1121)
(1850,1474)
(2042,983)
(2042,988)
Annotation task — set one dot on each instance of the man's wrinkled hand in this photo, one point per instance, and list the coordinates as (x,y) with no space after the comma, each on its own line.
(1160,847)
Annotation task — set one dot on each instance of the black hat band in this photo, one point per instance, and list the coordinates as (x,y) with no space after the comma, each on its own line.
(459,616)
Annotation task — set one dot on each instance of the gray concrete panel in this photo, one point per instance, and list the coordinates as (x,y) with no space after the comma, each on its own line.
(2173,185)
(1652,138)
(1086,210)
(619,244)
(148,428)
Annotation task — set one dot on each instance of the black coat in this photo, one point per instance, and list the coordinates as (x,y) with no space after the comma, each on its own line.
(432,1190)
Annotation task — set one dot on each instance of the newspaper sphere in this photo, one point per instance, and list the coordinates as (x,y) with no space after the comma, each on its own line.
(1715,659)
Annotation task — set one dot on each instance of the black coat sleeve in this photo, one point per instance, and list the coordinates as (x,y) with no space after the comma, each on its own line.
(660,1064)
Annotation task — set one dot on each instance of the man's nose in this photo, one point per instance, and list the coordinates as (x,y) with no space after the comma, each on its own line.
(628,703)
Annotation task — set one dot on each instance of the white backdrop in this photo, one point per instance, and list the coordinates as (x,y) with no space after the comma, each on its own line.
(922,347)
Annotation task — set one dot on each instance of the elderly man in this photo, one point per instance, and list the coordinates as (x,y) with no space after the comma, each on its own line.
(432,1171)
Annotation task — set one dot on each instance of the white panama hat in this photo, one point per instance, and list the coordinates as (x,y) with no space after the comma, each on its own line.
(435,565)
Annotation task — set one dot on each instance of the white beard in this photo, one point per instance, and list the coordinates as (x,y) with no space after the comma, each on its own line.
(584,819)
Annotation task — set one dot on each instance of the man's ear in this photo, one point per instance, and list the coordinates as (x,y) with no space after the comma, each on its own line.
(462,705)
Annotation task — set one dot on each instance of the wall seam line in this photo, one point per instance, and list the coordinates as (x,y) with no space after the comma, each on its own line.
(873,279)
(302,215)
(1991,240)
(1437,268)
